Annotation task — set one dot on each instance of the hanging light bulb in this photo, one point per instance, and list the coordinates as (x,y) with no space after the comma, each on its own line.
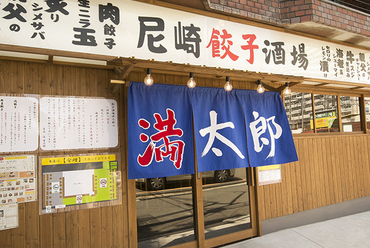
(260,88)
(148,80)
(191,82)
(287,90)
(228,86)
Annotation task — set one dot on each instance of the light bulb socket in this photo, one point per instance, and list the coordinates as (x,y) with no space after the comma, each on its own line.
(191,82)
(260,88)
(228,86)
(149,71)
(287,90)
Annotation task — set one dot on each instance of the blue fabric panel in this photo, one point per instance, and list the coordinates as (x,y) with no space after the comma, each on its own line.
(160,135)
(219,129)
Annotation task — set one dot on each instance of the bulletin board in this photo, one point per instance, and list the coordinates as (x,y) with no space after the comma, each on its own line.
(79,182)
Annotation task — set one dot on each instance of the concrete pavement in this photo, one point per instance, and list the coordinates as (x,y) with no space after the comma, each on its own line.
(340,225)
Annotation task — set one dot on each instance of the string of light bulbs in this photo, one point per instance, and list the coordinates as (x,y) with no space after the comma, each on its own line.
(191,83)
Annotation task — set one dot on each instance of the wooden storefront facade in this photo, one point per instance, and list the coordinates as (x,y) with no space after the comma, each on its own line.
(332,167)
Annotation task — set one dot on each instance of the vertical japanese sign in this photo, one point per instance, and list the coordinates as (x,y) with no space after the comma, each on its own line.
(269,138)
(18,179)
(18,124)
(160,134)
(78,123)
(219,129)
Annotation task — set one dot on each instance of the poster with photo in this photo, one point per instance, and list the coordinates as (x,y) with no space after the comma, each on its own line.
(8,216)
(17,179)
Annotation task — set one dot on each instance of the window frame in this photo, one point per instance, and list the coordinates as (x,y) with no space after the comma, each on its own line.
(338,94)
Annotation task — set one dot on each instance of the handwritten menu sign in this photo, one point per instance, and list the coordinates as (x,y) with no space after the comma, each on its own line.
(77,123)
(18,124)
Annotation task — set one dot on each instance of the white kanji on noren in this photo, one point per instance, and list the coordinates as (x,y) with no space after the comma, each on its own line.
(258,131)
(212,131)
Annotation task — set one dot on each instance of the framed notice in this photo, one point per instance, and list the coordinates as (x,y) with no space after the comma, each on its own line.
(18,124)
(79,182)
(269,174)
(77,123)
(18,179)
(8,216)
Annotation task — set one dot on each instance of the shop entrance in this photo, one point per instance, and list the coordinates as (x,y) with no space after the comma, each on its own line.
(203,210)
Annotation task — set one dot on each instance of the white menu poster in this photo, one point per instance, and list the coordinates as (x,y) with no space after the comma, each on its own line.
(8,216)
(77,123)
(18,124)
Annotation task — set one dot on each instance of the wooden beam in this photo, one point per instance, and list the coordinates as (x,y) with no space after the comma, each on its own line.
(267,87)
(291,84)
(122,73)
(216,72)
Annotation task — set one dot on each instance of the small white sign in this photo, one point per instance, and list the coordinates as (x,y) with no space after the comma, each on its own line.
(79,199)
(55,187)
(269,174)
(103,182)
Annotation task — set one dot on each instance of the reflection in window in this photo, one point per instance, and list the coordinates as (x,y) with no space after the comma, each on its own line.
(226,202)
(350,110)
(367,110)
(164,211)
(326,112)
(299,112)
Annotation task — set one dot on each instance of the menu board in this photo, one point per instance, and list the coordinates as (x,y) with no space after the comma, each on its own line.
(269,174)
(77,123)
(86,181)
(18,124)
(18,179)
(8,216)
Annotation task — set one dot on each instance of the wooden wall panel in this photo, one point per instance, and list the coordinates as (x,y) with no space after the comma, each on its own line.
(99,227)
(331,169)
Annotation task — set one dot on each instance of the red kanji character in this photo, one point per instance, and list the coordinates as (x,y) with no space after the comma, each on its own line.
(225,44)
(250,39)
(174,149)
(215,43)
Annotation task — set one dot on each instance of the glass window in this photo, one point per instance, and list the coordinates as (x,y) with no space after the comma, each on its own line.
(299,112)
(367,110)
(226,202)
(350,110)
(326,112)
(164,211)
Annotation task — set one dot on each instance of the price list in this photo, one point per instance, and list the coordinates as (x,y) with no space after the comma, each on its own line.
(77,123)
(18,124)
